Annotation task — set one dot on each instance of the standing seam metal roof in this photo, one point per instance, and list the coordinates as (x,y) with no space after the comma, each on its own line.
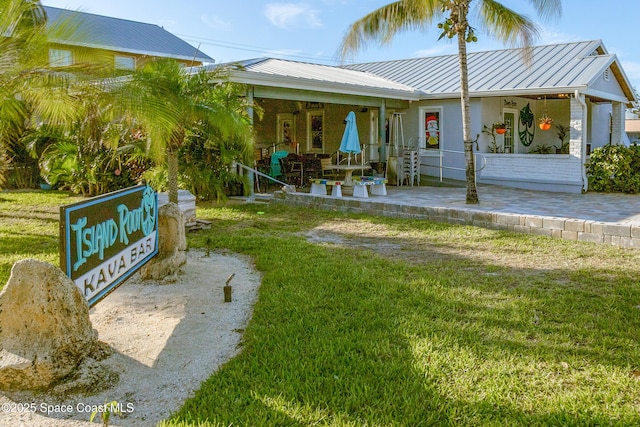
(121,35)
(569,65)
(320,77)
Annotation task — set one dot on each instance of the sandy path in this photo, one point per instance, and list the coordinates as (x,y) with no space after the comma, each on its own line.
(167,338)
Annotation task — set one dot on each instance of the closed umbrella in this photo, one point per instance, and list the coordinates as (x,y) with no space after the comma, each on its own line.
(350,141)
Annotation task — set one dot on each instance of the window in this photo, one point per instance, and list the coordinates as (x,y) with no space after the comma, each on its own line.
(315,133)
(60,57)
(125,62)
(431,127)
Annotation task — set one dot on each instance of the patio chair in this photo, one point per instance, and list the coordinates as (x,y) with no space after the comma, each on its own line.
(326,165)
(276,169)
(292,169)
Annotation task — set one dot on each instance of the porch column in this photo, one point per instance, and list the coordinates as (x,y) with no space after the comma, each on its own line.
(578,134)
(382,131)
(253,142)
(617,122)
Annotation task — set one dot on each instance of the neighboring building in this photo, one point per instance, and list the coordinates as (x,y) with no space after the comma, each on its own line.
(126,44)
(632,127)
(579,85)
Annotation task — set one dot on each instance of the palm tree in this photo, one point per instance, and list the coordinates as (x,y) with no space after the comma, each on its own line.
(170,102)
(453,19)
(32,92)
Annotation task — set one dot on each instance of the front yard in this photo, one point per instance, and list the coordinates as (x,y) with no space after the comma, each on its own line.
(377,321)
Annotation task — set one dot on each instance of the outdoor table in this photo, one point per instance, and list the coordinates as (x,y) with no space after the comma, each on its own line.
(348,171)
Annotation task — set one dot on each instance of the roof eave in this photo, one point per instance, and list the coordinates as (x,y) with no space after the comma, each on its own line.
(198,58)
(322,86)
(508,92)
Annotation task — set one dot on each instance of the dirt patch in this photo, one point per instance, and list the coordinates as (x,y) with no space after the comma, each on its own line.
(166,339)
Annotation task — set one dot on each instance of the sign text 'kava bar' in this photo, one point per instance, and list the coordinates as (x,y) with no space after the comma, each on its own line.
(106,239)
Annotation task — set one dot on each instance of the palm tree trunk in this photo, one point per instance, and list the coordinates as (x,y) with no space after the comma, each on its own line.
(472,193)
(172,172)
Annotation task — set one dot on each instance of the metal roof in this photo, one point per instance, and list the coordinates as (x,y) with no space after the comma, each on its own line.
(121,35)
(551,68)
(323,78)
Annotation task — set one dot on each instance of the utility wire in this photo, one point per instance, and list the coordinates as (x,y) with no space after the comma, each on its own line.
(263,50)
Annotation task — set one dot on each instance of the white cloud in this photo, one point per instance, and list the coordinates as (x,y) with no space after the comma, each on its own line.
(436,50)
(290,16)
(549,35)
(215,22)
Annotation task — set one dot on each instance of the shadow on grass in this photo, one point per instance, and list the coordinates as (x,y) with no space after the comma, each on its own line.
(344,336)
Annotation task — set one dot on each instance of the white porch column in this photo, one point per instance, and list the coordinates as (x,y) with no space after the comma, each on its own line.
(617,122)
(382,131)
(578,134)
(253,142)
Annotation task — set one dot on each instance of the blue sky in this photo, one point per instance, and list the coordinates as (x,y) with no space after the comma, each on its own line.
(311,31)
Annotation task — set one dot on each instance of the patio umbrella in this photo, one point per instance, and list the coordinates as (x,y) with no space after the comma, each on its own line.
(350,141)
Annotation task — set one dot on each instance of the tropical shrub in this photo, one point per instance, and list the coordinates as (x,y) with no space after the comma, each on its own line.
(615,168)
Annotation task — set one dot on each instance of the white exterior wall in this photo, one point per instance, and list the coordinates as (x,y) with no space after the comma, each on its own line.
(559,168)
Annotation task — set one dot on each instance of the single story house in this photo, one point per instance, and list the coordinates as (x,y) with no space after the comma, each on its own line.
(127,43)
(579,86)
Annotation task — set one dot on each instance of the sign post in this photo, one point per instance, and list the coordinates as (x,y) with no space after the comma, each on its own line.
(105,239)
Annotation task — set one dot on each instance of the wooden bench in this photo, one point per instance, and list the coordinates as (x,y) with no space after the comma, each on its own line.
(319,187)
(360,184)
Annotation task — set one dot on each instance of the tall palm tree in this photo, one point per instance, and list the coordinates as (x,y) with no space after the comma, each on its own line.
(170,101)
(452,16)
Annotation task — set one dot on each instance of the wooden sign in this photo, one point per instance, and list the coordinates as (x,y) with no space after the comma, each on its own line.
(104,240)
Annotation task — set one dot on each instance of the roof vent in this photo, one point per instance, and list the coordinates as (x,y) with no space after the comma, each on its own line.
(605,75)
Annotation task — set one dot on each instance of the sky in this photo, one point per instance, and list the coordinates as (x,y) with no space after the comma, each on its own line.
(311,31)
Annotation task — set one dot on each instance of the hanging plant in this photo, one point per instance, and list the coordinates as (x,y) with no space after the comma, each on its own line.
(500,128)
(545,122)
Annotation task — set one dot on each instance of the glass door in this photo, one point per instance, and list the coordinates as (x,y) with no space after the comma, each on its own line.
(509,118)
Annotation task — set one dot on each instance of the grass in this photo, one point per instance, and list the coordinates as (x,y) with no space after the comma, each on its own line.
(391,322)
(29,227)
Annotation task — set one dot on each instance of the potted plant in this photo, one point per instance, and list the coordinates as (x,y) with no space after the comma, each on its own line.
(563,132)
(500,128)
(493,146)
(545,122)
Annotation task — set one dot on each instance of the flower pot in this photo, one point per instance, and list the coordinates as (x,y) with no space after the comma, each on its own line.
(545,126)
(501,131)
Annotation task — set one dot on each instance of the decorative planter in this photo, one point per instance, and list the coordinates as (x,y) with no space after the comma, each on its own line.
(501,131)
(545,126)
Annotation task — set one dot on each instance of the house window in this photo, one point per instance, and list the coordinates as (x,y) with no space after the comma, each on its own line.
(315,133)
(60,57)
(431,127)
(125,62)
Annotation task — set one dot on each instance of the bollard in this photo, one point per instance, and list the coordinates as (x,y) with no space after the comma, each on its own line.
(227,289)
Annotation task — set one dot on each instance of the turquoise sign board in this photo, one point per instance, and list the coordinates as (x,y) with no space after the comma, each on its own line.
(105,239)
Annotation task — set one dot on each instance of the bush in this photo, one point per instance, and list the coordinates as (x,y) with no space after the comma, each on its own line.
(615,168)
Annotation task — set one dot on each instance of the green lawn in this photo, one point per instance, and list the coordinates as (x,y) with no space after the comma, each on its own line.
(392,322)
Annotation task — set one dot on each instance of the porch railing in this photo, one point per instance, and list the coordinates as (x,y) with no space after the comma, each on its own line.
(254,172)
(479,158)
